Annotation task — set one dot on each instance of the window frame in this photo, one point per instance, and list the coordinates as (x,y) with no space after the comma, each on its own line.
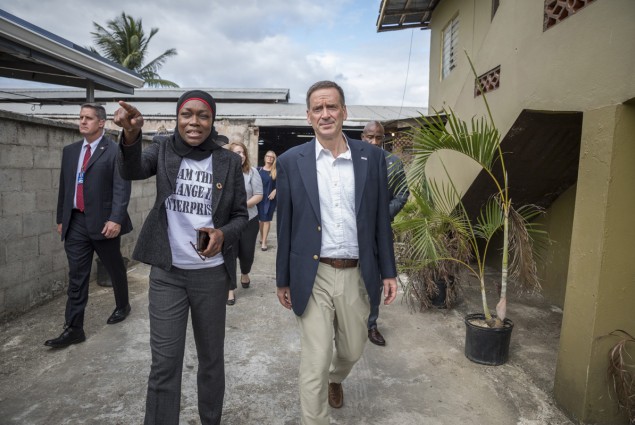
(451,29)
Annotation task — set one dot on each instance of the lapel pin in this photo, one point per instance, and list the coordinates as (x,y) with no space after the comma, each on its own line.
(219,186)
(364,158)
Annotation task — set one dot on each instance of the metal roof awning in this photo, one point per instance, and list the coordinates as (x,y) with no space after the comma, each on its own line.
(404,14)
(66,95)
(28,52)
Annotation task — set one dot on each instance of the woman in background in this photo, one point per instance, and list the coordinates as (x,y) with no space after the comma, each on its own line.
(267,206)
(246,246)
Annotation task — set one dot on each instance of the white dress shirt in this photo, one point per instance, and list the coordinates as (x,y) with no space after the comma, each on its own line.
(336,185)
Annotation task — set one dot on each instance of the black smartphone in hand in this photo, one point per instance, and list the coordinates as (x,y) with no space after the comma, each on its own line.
(202,240)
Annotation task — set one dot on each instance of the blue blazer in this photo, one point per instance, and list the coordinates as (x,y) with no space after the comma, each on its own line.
(299,220)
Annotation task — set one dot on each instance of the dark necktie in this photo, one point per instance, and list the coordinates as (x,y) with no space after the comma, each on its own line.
(80,184)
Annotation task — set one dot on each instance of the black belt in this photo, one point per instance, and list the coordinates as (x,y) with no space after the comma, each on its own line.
(75,210)
(340,263)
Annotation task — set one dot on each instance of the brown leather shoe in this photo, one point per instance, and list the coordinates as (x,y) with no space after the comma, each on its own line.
(375,337)
(336,395)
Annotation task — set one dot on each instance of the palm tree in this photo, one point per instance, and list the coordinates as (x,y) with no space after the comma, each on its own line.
(480,142)
(124,42)
(522,237)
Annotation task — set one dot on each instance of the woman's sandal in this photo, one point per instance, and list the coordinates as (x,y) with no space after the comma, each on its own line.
(245,284)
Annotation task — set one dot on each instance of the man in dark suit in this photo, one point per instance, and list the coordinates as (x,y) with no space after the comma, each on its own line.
(334,245)
(398,194)
(91,217)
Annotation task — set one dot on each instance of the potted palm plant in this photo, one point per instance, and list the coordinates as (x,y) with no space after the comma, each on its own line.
(487,334)
(429,229)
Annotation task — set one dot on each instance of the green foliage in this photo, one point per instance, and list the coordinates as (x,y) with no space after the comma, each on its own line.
(430,231)
(124,41)
(480,142)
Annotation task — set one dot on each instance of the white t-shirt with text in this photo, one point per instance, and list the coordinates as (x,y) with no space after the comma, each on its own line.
(188,209)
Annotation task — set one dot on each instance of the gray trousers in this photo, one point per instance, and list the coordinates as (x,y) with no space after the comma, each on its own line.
(171,296)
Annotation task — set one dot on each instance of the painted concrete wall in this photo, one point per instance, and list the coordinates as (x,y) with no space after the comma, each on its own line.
(579,64)
(553,271)
(584,63)
(601,285)
(33,264)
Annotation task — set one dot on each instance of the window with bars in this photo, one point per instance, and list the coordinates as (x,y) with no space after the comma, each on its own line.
(450,37)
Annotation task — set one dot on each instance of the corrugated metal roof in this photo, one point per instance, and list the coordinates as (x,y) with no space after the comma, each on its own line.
(278,114)
(403,14)
(70,95)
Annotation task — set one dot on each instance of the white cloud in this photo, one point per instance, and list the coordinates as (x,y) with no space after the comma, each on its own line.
(262,44)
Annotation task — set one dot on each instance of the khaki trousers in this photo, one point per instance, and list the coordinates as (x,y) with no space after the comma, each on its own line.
(337,311)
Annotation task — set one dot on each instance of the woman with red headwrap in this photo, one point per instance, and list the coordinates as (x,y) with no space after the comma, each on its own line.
(188,236)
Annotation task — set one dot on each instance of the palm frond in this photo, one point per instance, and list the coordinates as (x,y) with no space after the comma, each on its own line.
(490,220)
(523,268)
(159,61)
(432,243)
(445,131)
(123,40)
(152,82)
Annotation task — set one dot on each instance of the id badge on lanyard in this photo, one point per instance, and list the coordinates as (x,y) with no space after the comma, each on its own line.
(80,177)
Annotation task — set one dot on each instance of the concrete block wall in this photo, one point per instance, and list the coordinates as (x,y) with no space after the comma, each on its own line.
(33,265)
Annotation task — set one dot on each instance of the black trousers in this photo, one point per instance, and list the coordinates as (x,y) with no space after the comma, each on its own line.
(173,296)
(246,247)
(79,249)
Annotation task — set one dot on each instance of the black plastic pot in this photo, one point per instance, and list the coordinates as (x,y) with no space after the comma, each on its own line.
(488,346)
(439,299)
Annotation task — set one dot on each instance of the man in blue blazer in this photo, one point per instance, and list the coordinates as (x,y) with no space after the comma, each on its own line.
(334,245)
(92,214)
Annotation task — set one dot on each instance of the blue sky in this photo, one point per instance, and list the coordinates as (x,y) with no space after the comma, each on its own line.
(260,44)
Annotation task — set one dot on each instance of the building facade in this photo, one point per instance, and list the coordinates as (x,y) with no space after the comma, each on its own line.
(559,77)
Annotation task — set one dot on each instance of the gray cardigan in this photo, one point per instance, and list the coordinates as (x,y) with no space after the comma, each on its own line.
(229,202)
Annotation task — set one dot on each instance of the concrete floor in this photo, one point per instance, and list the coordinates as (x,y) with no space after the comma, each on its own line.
(421,377)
